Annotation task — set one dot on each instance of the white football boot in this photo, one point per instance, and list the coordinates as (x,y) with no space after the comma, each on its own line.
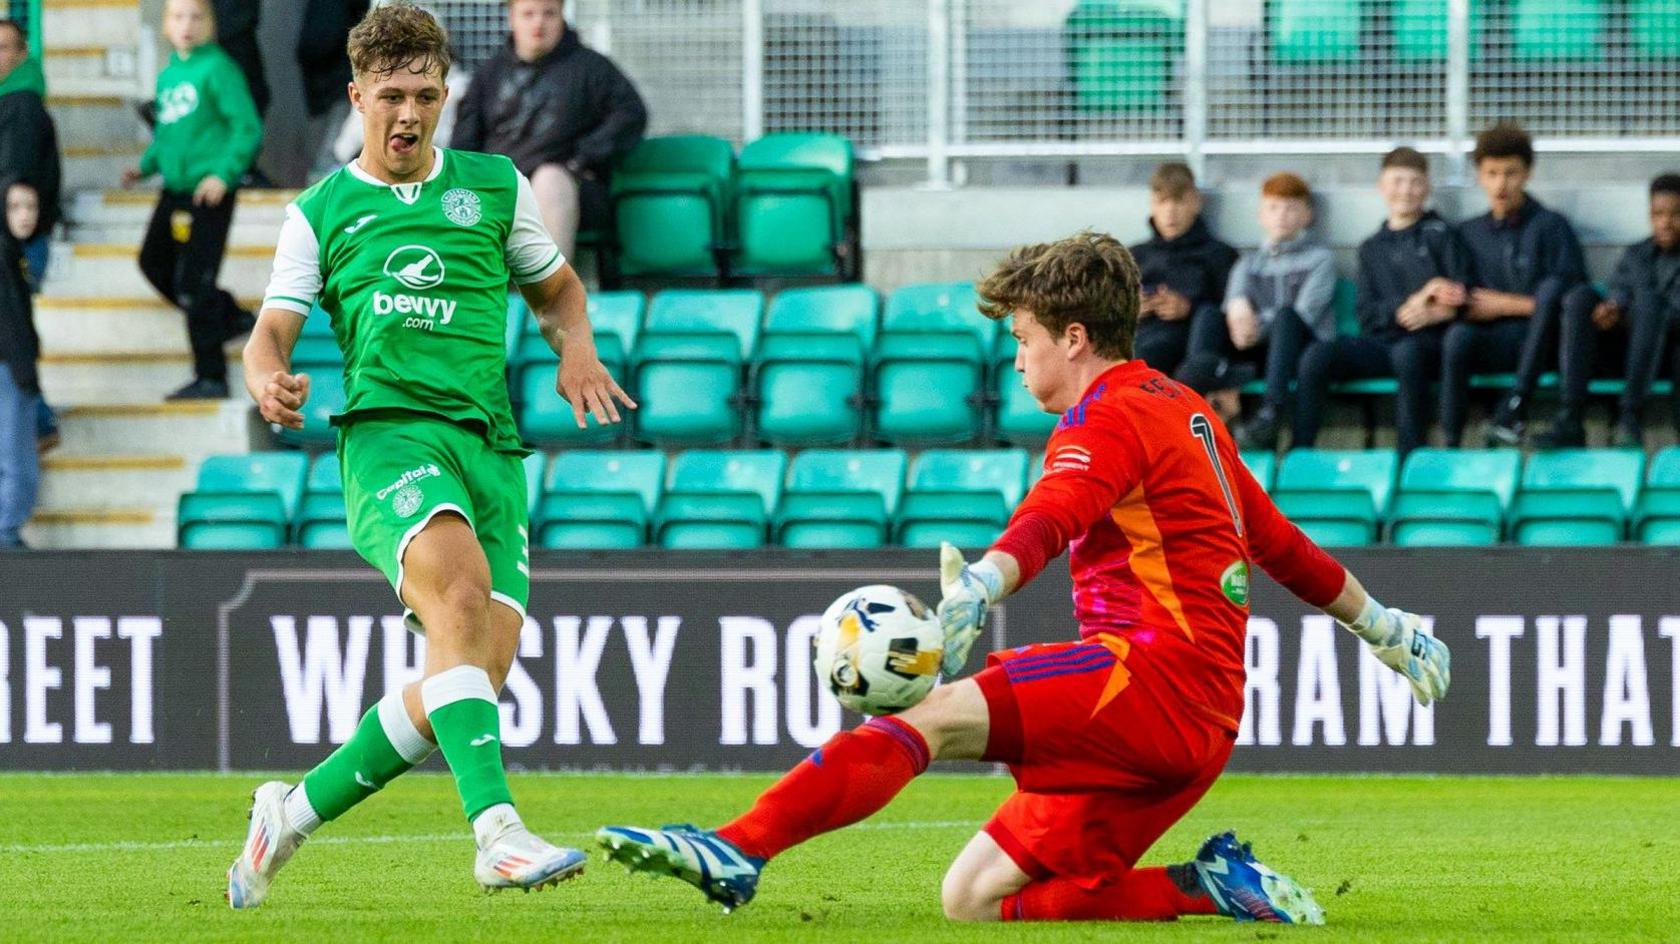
(269,843)
(513,857)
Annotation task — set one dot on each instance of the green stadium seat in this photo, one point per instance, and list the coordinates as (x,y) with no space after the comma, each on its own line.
(321,522)
(599,499)
(938,306)
(1557,30)
(966,495)
(1020,420)
(536,464)
(1654,26)
(545,417)
(1341,493)
(1345,302)
(324,474)
(1316,32)
(283,473)
(877,472)
(793,196)
(669,197)
(1577,496)
(230,521)
(840,498)
(828,309)
(1454,496)
(326,398)
(1120,52)
(810,389)
(999,471)
(1656,517)
(929,365)
(1261,465)
(689,364)
(1420,30)
(720,498)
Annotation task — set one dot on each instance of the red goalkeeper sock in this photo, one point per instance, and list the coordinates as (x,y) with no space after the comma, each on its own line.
(1153,894)
(851,777)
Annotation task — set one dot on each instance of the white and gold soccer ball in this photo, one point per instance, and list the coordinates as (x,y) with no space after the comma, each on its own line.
(878,650)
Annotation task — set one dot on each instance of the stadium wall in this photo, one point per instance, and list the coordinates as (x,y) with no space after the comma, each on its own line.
(1564,660)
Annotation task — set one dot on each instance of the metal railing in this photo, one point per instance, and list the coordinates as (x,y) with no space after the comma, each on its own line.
(941,80)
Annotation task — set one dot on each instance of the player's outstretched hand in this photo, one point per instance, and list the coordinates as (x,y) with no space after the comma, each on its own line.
(283,397)
(585,384)
(965,593)
(1425,661)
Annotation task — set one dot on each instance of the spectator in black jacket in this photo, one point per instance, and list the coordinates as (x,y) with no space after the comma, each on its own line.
(20,392)
(325,68)
(1413,278)
(236,33)
(28,138)
(1184,268)
(1526,259)
(1627,331)
(564,113)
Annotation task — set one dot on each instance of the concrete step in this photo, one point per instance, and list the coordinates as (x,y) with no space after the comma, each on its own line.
(101,529)
(113,482)
(246,231)
(118,377)
(192,429)
(97,166)
(110,207)
(88,120)
(110,270)
(84,325)
(91,22)
(85,70)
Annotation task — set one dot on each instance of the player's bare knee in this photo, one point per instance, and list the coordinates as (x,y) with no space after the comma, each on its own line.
(963,900)
(952,720)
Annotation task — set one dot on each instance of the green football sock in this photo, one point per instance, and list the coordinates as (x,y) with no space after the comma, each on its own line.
(385,746)
(468,725)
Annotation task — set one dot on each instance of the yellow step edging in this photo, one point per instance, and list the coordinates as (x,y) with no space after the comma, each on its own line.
(78,302)
(76,52)
(90,101)
(137,410)
(85,4)
(149,197)
(105,150)
(121,251)
(94,516)
(112,463)
(122,358)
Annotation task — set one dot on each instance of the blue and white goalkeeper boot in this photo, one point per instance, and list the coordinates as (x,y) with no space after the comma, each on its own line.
(699,857)
(1246,890)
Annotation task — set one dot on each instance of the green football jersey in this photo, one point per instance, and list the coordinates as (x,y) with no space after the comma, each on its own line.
(414,277)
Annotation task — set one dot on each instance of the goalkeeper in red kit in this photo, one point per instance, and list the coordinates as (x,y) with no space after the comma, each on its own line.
(1113,737)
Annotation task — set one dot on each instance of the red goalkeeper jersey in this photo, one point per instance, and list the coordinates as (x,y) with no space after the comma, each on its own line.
(1143,486)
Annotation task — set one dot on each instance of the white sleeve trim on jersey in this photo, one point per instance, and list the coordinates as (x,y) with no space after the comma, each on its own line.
(532,255)
(296,281)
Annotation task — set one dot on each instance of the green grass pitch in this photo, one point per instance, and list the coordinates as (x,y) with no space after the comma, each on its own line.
(141,858)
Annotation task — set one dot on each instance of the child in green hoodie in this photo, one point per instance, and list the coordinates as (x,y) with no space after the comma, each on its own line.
(207,133)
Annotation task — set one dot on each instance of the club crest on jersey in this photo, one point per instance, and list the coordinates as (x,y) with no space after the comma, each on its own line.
(1234,583)
(462,207)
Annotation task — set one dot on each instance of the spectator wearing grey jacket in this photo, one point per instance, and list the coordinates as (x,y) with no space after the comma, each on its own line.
(1278,300)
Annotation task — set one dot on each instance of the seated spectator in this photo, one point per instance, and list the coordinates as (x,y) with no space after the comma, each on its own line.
(1277,300)
(1525,259)
(1184,268)
(1628,331)
(207,133)
(562,112)
(20,391)
(1413,277)
(28,138)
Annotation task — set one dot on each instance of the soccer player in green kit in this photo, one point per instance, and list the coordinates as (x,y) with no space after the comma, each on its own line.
(411,248)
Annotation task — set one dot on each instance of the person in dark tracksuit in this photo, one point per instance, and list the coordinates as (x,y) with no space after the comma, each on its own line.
(1526,258)
(207,133)
(20,390)
(1632,330)
(1414,275)
(1184,268)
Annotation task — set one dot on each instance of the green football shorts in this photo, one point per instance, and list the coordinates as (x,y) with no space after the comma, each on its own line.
(400,471)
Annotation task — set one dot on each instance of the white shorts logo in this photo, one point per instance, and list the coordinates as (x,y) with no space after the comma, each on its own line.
(407,501)
(417,267)
(462,207)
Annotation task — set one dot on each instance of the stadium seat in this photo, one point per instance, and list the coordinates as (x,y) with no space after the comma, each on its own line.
(545,417)
(1655,28)
(242,501)
(320,521)
(1656,518)
(808,376)
(1020,420)
(720,498)
(1454,497)
(1336,496)
(1261,465)
(793,196)
(1316,32)
(828,309)
(326,398)
(964,496)
(1557,30)
(669,197)
(1420,30)
(840,498)
(929,365)
(1120,52)
(689,363)
(599,499)
(1576,496)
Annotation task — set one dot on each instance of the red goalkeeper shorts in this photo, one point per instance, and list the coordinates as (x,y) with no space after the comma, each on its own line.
(1106,754)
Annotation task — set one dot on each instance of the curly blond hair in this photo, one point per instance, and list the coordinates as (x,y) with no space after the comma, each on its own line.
(398,36)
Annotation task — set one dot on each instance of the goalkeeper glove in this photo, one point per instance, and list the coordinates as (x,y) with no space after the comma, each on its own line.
(967,590)
(1398,641)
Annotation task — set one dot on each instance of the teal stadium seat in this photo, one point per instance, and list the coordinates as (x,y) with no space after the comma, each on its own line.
(595,500)
(809,373)
(1120,52)
(1558,30)
(1262,465)
(1316,32)
(242,501)
(1020,420)
(669,197)
(1656,518)
(317,354)
(1454,497)
(964,496)
(721,499)
(1339,498)
(321,522)
(544,416)
(689,363)
(1420,30)
(929,365)
(1655,28)
(1577,496)
(843,498)
(793,196)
